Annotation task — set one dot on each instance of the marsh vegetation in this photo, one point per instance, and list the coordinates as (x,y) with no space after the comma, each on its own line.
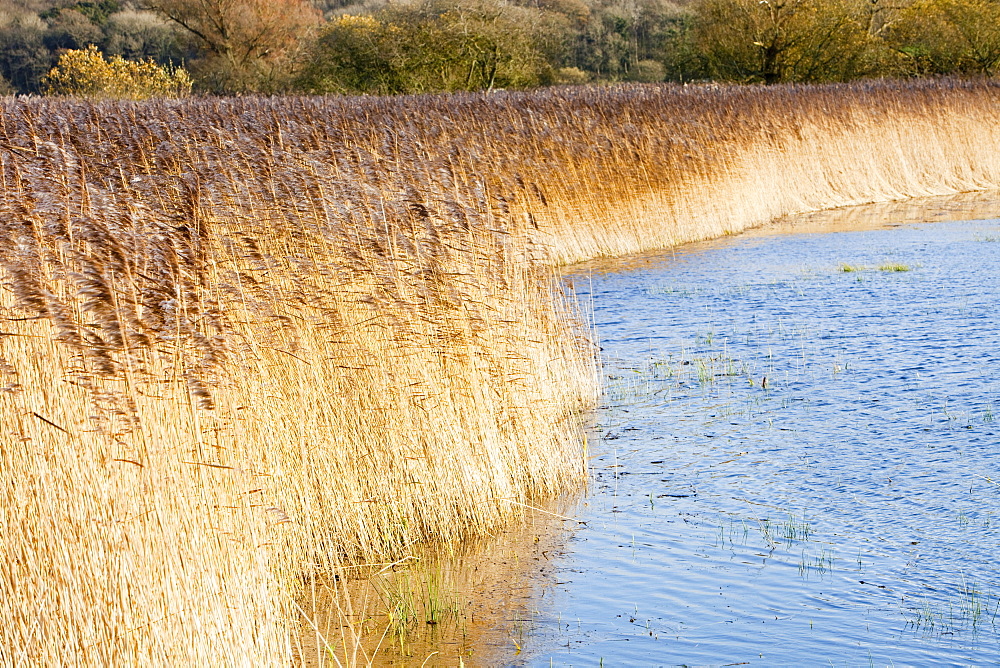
(250,341)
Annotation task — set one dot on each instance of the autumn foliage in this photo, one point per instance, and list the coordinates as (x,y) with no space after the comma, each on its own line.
(245,43)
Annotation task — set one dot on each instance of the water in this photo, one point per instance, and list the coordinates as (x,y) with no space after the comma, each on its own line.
(795,464)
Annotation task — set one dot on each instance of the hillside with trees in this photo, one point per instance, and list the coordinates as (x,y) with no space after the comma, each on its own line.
(413,46)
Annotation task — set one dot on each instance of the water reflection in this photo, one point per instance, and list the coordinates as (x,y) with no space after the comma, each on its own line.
(460,604)
(799,456)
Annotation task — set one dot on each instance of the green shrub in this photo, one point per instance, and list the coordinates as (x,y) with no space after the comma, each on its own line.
(435,45)
(950,37)
(769,41)
(647,71)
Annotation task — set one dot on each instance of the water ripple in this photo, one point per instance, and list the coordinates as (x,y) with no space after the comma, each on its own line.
(795,463)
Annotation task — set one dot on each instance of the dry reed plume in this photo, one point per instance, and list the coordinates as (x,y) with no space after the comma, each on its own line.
(244,339)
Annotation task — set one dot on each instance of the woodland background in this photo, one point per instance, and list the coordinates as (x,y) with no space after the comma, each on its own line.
(416,46)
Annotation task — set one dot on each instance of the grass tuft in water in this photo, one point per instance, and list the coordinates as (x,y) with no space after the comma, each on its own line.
(851,268)
(796,529)
(820,564)
(965,611)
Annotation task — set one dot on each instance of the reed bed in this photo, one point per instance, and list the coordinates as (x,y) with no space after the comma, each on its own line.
(246,340)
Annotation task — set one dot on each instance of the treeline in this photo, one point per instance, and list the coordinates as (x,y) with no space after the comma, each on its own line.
(329,46)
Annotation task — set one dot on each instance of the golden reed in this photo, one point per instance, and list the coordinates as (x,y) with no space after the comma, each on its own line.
(242,340)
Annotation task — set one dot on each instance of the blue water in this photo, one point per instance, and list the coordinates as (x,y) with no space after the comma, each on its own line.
(844,511)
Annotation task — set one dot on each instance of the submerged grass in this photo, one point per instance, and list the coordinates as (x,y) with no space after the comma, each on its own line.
(248,340)
(444,605)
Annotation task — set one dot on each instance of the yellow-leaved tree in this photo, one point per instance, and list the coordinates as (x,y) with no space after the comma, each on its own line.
(86,73)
